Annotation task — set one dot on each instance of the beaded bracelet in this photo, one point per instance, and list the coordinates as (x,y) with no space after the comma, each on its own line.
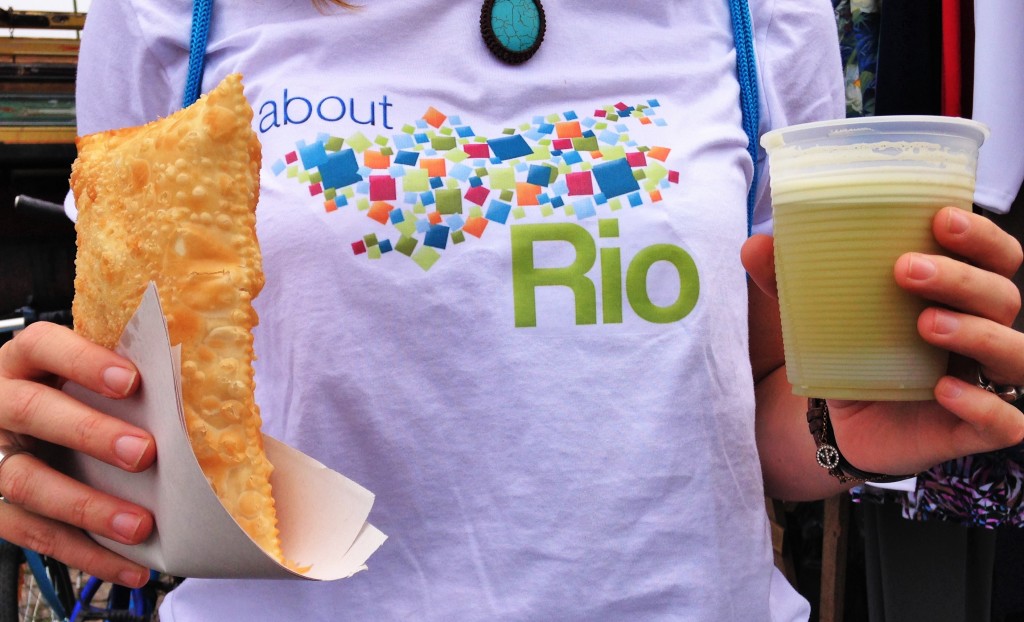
(828,455)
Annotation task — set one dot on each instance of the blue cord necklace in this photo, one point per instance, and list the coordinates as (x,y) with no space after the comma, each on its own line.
(512,29)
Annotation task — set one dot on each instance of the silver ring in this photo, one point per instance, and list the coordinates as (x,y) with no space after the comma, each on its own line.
(1008,393)
(6,451)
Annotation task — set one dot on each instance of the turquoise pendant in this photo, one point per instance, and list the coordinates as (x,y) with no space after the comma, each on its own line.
(512,29)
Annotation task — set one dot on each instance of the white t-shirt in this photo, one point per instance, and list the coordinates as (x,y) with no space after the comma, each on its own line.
(507,300)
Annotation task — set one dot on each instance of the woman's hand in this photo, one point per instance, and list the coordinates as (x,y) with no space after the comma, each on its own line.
(45,510)
(976,303)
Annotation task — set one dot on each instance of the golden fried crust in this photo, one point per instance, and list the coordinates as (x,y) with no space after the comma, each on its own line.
(174,202)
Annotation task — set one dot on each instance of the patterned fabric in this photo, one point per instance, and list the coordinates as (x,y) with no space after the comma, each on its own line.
(858,22)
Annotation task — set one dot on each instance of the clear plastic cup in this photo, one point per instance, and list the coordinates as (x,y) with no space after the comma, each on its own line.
(850,196)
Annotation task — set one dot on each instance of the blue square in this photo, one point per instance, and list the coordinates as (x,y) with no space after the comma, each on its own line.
(465,131)
(403,141)
(608,137)
(423,226)
(588,134)
(572,157)
(539,175)
(396,171)
(475,181)
(278,167)
(421,138)
(543,198)
(600,199)
(460,172)
(560,187)
(545,128)
(570,116)
(584,208)
(557,202)
(396,216)
(384,246)
(455,222)
(408,158)
(436,182)
(341,200)
(340,169)
(509,147)
(312,155)
(437,236)
(410,198)
(635,200)
(427,197)
(615,178)
(498,211)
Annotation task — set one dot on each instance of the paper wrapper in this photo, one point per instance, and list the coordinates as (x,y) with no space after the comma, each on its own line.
(321,513)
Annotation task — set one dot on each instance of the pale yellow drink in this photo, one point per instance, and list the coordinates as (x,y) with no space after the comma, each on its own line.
(850,197)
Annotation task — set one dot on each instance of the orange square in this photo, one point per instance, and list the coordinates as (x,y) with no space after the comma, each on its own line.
(434,117)
(658,153)
(568,129)
(475,226)
(376,159)
(655,196)
(379,211)
(526,193)
(330,205)
(645,121)
(435,166)
(434,218)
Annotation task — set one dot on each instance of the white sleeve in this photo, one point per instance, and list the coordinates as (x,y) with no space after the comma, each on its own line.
(998,91)
(800,74)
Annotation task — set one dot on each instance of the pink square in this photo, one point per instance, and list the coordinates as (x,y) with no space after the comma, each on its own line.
(358,248)
(315,189)
(477,150)
(600,113)
(673,176)
(580,183)
(562,144)
(382,188)
(291,157)
(636,159)
(477,194)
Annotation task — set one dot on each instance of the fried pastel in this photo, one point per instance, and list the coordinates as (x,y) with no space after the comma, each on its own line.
(173,202)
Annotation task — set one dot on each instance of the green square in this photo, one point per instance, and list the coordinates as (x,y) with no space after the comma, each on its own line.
(615,205)
(388,151)
(616,152)
(448,200)
(608,227)
(553,118)
(568,209)
(540,152)
(333,143)
(373,252)
(293,171)
(639,174)
(381,140)
(406,244)
(508,131)
(585,143)
(330,193)
(503,178)
(655,171)
(456,155)
(480,172)
(426,257)
(359,142)
(408,226)
(363,204)
(304,177)
(507,195)
(419,208)
(370,239)
(564,169)
(459,236)
(518,212)
(600,126)
(546,210)
(315,178)
(612,116)
(416,180)
(443,143)
(476,212)
(408,129)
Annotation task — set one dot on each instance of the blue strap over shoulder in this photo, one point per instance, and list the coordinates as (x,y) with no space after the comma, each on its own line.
(201,11)
(746,73)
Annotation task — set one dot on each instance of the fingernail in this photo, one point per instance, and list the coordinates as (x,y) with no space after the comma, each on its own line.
(119,380)
(130,449)
(957,221)
(131,578)
(945,322)
(951,390)
(126,525)
(920,268)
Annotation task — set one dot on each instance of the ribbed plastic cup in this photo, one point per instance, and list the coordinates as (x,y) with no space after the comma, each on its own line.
(850,197)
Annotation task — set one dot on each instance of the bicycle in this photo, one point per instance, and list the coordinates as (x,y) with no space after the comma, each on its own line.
(34,587)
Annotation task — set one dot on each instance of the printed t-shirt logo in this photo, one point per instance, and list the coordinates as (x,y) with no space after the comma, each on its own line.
(436,183)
